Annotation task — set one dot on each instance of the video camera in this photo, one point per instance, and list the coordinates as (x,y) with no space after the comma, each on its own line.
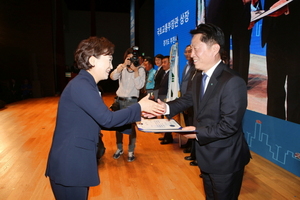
(135,58)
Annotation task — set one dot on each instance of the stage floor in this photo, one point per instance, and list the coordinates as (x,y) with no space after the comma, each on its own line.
(159,171)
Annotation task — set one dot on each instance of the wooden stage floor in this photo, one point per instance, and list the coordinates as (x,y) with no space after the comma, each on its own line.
(159,171)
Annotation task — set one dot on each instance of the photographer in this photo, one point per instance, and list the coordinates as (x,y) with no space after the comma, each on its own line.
(131,79)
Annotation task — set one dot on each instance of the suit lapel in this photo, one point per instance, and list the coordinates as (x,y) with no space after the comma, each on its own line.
(197,85)
(210,86)
(185,75)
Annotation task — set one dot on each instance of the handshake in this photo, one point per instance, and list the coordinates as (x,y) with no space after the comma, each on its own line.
(151,108)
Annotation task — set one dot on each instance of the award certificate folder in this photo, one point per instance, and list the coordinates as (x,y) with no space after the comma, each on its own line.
(159,125)
(256,15)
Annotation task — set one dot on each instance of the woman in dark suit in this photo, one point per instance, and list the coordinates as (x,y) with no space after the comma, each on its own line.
(72,163)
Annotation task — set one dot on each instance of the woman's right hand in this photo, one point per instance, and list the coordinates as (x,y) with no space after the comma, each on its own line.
(150,107)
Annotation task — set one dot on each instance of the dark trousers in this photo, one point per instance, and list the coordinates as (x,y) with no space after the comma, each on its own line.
(222,187)
(62,192)
(233,18)
(193,149)
(282,66)
(127,129)
(168,136)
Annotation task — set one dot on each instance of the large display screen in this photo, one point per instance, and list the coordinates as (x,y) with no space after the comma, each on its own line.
(173,19)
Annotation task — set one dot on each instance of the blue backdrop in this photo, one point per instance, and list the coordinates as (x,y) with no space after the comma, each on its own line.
(173,19)
(274,139)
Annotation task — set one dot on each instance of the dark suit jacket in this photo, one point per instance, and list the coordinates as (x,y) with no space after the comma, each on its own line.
(81,111)
(286,28)
(221,147)
(185,84)
(164,86)
(158,77)
(233,17)
(186,77)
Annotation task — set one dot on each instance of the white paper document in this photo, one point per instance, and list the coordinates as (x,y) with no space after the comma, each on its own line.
(256,15)
(159,125)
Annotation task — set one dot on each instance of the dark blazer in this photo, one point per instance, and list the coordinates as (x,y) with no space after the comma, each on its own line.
(164,86)
(221,147)
(158,77)
(281,34)
(81,111)
(186,77)
(233,17)
(185,84)
(284,27)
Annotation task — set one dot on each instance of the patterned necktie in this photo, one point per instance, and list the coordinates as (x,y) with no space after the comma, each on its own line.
(202,91)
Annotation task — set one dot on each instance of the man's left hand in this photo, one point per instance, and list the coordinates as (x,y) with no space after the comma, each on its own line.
(190,135)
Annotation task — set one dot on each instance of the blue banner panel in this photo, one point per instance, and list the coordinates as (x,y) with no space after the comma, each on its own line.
(274,139)
(173,20)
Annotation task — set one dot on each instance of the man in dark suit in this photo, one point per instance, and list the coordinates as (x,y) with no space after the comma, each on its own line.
(233,17)
(221,149)
(281,33)
(187,76)
(162,93)
(164,84)
(160,72)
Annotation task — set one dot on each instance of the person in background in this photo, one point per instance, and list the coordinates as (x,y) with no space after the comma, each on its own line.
(233,17)
(162,94)
(164,83)
(131,78)
(72,161)
(159,72)
(219,98)
(280,34)
(150,73)
(187,76)
(141,60)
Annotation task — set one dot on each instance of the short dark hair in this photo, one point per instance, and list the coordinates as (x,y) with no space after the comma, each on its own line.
(149,59)
(159,56)
(93,46)
(167,56)
(211,34)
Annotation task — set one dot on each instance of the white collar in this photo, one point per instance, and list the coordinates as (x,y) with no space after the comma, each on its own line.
(211,70)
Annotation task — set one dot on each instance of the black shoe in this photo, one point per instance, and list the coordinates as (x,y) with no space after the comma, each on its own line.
(188,158)
(188,150)
(161,138)
(185,146)
(166,141)
(194,163)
